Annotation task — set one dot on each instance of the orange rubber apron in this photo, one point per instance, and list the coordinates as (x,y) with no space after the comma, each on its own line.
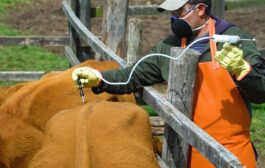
(220,110)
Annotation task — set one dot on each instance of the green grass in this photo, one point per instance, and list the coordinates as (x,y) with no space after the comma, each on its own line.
(244,4)
(4,84)
(30,58)
(5,3)
(25,58)
(149,110)
(7,31)
(258,128)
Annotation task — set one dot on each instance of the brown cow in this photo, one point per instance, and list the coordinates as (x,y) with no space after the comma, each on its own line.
(99,134)
(26,109)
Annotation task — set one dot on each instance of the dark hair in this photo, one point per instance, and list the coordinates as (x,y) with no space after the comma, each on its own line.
(206,2)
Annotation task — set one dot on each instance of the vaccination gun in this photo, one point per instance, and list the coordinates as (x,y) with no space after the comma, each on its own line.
(233,39)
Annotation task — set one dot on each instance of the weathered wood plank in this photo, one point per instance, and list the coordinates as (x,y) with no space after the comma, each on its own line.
(114,25)
(135,10)
(134,41)
(85,14)
(144,10)
(157,131)
(134,44)
(71,56)
(72,33)
(82,11)
(89,37)
(157,122)
(157,126)
(181,82)
(262,51)
(20,75)
(161,162)
(33,40)
(194,135)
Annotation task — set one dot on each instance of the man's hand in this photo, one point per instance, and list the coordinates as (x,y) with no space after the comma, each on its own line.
(88,77)
(231,58)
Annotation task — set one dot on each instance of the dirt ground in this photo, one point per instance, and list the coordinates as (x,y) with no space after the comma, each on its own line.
(45,17)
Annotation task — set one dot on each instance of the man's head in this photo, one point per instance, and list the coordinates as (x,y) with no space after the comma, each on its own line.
(174,5)
(189,17)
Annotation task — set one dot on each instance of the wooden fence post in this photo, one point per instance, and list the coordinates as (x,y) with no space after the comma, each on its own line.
(82,10)
(84,52)
(134,43)
(218,8)
(114,25)
(72,33)
(182,75)
(85,12)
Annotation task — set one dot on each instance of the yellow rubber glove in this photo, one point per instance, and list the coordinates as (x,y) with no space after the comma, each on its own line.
(231,58)
(89,77)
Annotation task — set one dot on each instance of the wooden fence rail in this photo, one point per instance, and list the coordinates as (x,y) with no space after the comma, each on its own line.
(178,122)
(20,76)
(33,40)
(194,135)
(88,37)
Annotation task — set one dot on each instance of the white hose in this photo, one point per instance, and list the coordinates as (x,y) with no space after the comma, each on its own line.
(152,55)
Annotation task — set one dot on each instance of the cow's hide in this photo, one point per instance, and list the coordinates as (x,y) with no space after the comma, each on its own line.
(99,134)
(26,108)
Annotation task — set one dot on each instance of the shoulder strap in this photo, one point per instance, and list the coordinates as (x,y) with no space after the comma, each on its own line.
(211,29)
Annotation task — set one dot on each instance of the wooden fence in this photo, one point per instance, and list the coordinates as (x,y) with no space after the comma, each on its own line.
(217,9)
(113,42)
(115,12)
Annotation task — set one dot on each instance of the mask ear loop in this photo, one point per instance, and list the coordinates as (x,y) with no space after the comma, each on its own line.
(198,28)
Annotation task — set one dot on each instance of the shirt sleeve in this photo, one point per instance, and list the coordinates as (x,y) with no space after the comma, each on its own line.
(253,85)
(147,72)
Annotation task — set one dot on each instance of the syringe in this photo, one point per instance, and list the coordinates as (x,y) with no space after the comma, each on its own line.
(229,38)
(82,95)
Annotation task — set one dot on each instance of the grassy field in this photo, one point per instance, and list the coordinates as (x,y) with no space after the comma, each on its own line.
(258,128)
(230,4)
(14,58)
(5,3)
(36,58)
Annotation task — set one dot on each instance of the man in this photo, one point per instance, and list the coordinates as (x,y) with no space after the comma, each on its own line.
(223,94)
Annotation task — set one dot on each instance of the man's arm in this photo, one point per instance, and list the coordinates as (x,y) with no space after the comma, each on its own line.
(146,73)
(252,86)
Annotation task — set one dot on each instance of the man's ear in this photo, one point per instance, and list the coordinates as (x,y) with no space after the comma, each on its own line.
(201,9)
